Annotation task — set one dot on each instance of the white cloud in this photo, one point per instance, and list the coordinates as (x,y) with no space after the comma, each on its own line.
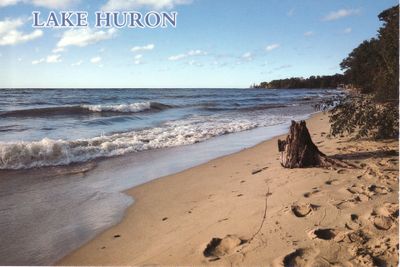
(177,57)
(95,60)
(58,50)
(341,13)
(136,4)
(248,56)
(137,59)
(53,59)
(48,59)
(59,4)
(78,63)
(309,33)
(272,47)
(196,53)
(348,30)
(38,61)
(143,48)
(190,53)
(84,37)
(8,2)
(195,63)
(10,35)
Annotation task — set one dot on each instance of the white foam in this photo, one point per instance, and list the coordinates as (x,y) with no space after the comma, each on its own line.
(49,152)
(134,107)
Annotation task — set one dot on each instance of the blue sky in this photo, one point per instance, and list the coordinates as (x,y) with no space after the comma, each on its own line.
(224,43)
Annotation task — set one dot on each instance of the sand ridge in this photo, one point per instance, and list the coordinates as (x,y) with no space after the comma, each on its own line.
(245,209)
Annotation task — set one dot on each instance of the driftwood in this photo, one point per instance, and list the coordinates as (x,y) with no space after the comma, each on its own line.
(299,151)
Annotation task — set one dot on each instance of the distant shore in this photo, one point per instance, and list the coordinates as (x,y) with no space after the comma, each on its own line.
(313,215)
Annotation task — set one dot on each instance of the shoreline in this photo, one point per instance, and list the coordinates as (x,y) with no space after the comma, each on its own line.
(130,191)
(88,198)
(173,218)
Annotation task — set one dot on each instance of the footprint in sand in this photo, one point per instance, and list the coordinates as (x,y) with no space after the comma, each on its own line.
(379,190)
(383,245)
(382,222)
(332,182)
(354,222)
(367,251)
(364,259)
(323,233)
(374,172)
(384,217)
(309,194)
(375,252)
(304,257)
(357,237)
(390,210)
(342,171)
(356,189)
(302,209)
(368,191)
(351,202)
(220,247)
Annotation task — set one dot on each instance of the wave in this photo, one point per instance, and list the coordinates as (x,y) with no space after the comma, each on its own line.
(128,108)
(50,152)
(86,109)
(238,107)
(12,128)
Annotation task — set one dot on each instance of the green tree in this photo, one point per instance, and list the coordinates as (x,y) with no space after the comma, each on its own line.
(373,68)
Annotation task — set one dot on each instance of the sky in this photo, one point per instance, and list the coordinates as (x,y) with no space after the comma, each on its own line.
(216,44)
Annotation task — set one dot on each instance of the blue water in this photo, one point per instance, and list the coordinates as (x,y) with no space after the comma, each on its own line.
(63,126)
(140,135)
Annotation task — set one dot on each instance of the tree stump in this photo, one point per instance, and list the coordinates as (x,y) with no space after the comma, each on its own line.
(298,150)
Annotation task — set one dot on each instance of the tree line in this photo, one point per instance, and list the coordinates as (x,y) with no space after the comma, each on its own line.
(371,70)
(313,82)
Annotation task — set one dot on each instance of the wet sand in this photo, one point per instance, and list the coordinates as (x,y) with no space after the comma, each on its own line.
(70,205)
(245,209)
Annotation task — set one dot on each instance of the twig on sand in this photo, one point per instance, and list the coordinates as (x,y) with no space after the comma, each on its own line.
(263,219)
(247,242)
(259,170)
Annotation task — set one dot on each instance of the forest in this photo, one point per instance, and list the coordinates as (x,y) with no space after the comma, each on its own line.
(326,81)
(371,73)
(372,68)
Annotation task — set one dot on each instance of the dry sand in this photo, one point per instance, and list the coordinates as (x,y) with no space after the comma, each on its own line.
(245,209)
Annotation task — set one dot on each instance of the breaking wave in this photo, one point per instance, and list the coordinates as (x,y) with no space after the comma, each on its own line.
(86,109)
(50,152)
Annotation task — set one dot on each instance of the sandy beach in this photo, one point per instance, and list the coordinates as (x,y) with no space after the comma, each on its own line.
(259,213)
